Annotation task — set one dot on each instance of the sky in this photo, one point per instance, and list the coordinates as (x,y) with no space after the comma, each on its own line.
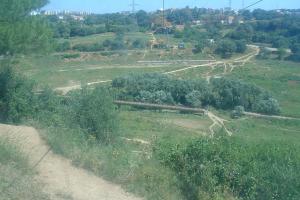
(108,6)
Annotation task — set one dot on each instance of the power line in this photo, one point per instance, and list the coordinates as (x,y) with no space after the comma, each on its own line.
(34,166)
(253,4)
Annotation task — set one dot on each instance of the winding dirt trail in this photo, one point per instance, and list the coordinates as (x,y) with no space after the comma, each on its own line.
(217,121)
(62,180)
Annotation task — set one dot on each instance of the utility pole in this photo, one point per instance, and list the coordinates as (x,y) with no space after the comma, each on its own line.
(243,4)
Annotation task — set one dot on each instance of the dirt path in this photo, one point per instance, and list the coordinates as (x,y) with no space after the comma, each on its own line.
(270,116)
(232,63)
(65,90)
(62,180)
(217,121)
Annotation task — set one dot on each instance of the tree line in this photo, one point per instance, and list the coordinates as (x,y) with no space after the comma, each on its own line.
(221,93)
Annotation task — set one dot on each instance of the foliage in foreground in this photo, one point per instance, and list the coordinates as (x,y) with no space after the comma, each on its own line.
(207,167)
(89,111)
(92,111)
(223,93)
(16,95)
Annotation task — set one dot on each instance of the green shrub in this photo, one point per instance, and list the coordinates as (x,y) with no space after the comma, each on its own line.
(228,165)
(226,48)
(241,46)
(193,99)
(71,56)
(267,106)
(64,46)
(88,47)
(16,95)
(158,97)
(94,111)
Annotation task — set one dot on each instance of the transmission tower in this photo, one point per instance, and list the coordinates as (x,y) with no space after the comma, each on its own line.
(163,13)
(230,4)
(133,6)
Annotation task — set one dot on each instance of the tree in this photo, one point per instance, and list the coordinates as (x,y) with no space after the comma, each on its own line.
(193,99)
(226,48)
(94,111)
(295,47)
(143,19)
(267,106)
(199,47)
(241,46)
(16,95)
(19,31)
(138,44)
(281,53)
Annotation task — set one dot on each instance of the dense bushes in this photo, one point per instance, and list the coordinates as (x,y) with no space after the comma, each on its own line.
(226,48)
(206,168)
(94,111)
(91,111)
(88,47)
(16,95)
(222,93)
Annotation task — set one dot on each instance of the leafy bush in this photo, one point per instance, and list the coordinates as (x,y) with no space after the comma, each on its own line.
(88,47)
(267,106)
(138,44)
(226,48)
(158,97)
(240,46)
(193,99)
(71,56)
(16,95)
(94,111)
(206,167)
(65,46)
(229,93)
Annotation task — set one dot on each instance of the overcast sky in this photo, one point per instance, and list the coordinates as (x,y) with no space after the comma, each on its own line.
(107,6)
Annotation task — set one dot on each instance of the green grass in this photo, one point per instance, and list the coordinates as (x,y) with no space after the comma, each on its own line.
(16,177)
(257,131)
(281,78)
(96,38)
(55,71)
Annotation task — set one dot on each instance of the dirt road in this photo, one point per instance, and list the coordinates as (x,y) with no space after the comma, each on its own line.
(62,180)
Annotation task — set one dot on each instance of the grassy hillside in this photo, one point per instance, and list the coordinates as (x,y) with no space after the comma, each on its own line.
(132,159)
